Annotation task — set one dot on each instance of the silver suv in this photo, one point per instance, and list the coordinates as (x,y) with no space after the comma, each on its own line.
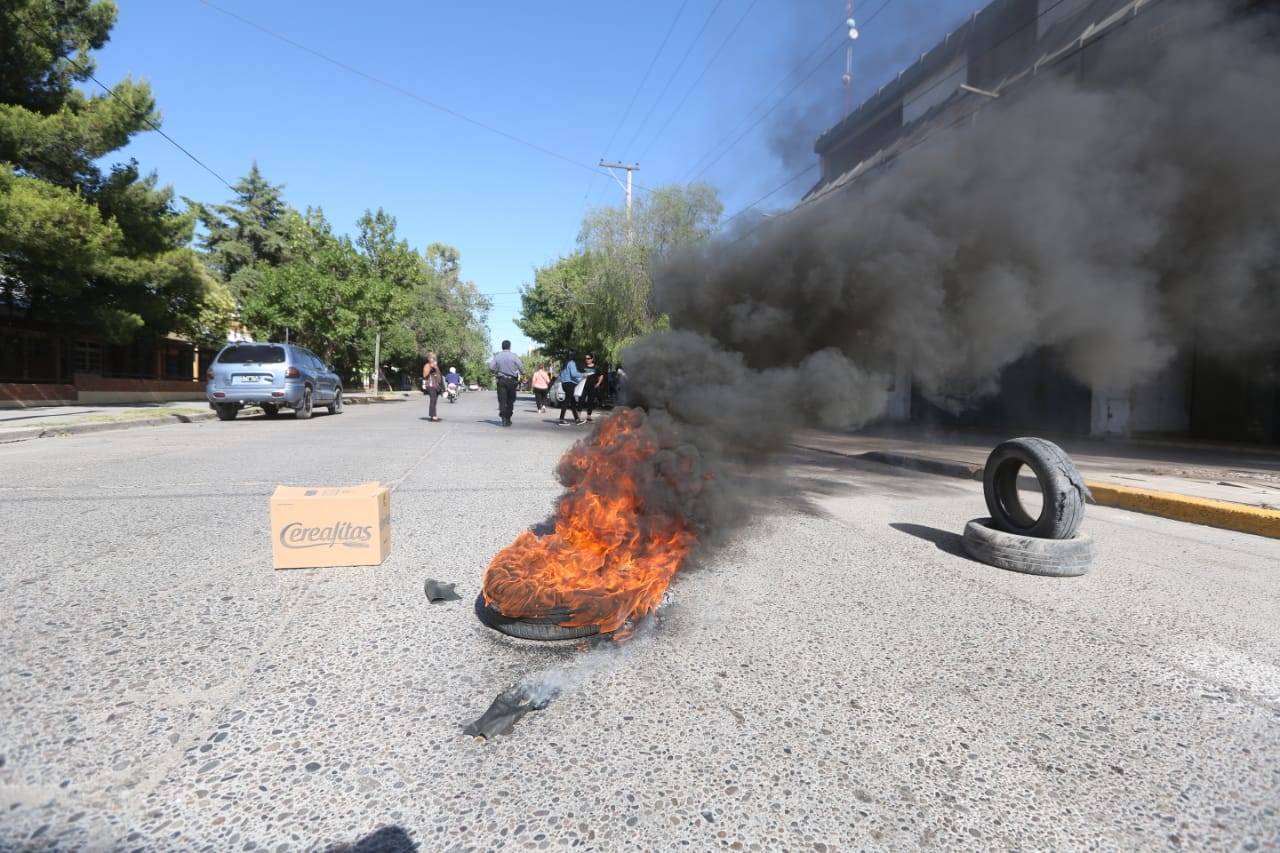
(272,377)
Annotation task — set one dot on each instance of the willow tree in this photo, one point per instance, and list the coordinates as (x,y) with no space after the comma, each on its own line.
(601,296)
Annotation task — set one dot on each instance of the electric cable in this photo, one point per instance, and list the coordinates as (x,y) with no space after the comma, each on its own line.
(767,96)
(402,91)
(706,21)
(885,111)
(698,80)
(111,92)
(644,79)
(627,113)
(768,112)
(789,92)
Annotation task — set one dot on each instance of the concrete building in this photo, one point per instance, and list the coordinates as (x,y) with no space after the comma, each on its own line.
(1002,52)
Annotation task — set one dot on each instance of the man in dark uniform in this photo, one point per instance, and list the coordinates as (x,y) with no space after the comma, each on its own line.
(508,369)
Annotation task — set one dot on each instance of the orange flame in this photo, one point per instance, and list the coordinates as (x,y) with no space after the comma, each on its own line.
(611,556)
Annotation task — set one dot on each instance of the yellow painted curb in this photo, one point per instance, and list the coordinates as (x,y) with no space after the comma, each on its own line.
(1211,513)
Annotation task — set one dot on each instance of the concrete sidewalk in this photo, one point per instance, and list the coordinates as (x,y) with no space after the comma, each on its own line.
(1236,487)
(24,424)
(1232,486)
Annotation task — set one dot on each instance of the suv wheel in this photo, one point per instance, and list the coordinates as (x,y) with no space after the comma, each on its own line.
(304,408)
(335,408)
(226,411)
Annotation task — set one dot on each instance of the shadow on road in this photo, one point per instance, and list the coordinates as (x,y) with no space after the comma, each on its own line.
(389,839)
(945,540)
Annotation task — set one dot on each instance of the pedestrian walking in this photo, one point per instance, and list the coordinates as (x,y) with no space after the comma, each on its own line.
(508,369)
(570,376)
(432,383)
(591,391)
(540,382)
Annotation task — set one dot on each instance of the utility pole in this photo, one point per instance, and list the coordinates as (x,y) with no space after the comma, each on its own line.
(635,167)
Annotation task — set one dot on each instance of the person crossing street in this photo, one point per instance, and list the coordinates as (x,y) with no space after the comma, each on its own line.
(508,369)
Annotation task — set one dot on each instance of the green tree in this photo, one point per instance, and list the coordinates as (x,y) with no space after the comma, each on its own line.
(344,298)
(314,298)
(601,297)
(448,315)
(248,234)
(79,245)
(554,309)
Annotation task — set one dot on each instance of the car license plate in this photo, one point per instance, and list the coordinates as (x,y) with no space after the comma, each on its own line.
(240,380)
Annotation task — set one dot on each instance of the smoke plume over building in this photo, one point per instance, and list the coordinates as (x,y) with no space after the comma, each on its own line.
(1113,222)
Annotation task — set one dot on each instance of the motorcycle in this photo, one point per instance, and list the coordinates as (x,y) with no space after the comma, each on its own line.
(451,391)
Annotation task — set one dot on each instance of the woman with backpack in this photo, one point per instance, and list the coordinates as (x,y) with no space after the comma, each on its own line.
(432,383)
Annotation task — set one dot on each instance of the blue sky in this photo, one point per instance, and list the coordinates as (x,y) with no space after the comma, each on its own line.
(482,125)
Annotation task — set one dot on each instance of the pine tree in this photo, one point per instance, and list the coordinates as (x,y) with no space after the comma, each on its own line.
(79,245)
(247,235)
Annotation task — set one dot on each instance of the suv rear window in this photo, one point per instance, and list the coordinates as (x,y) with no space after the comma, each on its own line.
(252,354)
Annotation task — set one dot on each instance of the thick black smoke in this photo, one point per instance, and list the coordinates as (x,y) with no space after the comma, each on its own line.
(1112,223)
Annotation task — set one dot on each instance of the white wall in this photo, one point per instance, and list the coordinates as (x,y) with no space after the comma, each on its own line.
(1157,405)
(934,90)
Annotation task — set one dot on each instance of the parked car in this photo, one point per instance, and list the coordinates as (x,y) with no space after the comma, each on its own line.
(273,377)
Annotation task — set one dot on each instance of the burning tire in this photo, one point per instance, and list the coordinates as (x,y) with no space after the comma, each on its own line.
(1057,558)
(531,629)
(1064,491)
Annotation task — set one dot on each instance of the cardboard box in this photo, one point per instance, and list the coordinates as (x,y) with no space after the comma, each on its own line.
(313,528)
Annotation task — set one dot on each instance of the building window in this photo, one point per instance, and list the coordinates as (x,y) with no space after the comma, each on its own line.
(88,357)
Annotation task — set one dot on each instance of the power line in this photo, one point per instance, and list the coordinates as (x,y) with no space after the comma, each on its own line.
(788,94)
(705,69)
(769,195)
(767,96)
(627,113)
(645,78)
(885,111)
(767,112)
(399,90)
(674,73)
(111,92)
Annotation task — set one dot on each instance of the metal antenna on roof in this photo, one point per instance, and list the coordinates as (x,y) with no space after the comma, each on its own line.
(848,61)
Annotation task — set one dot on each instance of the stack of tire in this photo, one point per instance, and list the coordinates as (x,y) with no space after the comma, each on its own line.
(1048,544)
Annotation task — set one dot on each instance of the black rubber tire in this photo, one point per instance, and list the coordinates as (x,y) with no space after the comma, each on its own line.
(304,408)
(270,410)
(1063,489)
(529,629)
(335,408)
(1057,558)
(226,411)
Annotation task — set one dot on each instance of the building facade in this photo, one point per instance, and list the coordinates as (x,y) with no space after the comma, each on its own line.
(1002,52)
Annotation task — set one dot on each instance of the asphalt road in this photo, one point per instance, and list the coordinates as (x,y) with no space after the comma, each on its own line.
(839,676)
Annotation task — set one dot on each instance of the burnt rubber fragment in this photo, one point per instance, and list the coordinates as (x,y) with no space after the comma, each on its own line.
(437,591)
(540,628)
(507,709)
